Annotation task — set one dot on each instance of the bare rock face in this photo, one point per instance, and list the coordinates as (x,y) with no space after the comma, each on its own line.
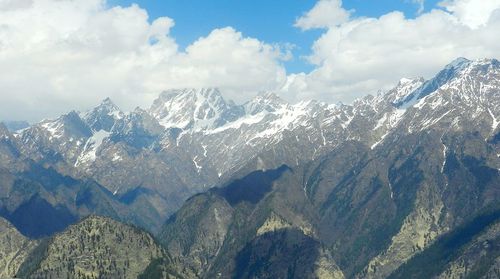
(14,249)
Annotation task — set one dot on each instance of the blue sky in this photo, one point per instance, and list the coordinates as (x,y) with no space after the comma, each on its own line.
(270,21)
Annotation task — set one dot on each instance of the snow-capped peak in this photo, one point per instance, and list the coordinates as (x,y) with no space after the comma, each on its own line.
(483,64)
(403,81)
(194,109)
(103,116)
(108,102)
(106,107)
(449,72)
(66,124)
(264,102)
(405,87)
(458,63)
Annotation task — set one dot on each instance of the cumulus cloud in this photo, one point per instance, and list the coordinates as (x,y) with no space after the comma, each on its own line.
(326,13)
(57,55)
(363,55)
(224,58)
(473,13)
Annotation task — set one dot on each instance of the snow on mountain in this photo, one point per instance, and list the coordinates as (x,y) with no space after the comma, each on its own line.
(68,127)
(194,138)
(104,116)
(444,76)
(287,117)
(246,120)
(268,119)
(271,115)
(89,152)
(194,109)
(404,88)
(221,127)
(264,102)
(54,128)
(466,98)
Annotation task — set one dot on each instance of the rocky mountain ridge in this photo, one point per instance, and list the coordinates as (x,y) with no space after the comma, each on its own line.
(411,190)
(190,140)
(309,189)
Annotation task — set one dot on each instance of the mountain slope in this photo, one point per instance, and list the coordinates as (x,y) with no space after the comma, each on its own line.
(470,251)
(96,247)
(405,174)
(14,249)
(361,188)
(226,233)
(369,225)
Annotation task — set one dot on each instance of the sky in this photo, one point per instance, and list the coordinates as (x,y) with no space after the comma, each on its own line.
(269,21)
(60,55)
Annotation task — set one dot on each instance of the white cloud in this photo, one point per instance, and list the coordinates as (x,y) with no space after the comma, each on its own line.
(57,55)
(473,13)
(326,13)
(242,66)
(363,55)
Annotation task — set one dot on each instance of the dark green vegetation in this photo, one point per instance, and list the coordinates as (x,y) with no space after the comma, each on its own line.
(154,270)
(98,247)
(33,261)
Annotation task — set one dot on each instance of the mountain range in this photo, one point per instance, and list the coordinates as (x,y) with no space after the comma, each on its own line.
(404,184)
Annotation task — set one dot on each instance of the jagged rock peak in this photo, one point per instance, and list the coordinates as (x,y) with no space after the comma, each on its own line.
(176,93)
(457,69)
(70,123)
(457,63)
(3,130)
(109,106)
(61,120)
(462,63)
(194,109)
(404,88)
(107,101)
(106,107)
(265,101)
(103,116)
